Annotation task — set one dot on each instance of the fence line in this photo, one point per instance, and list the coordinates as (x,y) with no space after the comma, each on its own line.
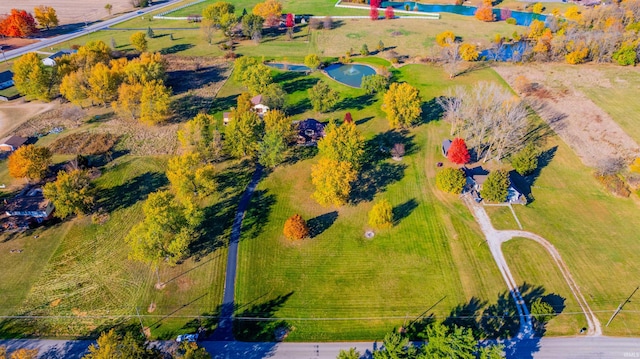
(161,15)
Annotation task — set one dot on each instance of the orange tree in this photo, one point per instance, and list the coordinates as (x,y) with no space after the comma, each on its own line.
(19,23)
(296,227)
(29,161)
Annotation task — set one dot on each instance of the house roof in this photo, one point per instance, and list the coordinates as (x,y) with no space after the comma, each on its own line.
(32,201)
(256,100)
(480,179)
(226,115)
(446,144)
(61,53)
(13,141)
(310,124)
(474,171)
(6,76)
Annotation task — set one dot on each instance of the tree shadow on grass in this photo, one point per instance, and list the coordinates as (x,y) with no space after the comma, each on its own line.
(525,183)
(375,179)
(287,76)
(205,324)
(321,223)
(224,103)
(431,111)
(378,148)
(301,106)
(184,80)
(364,120)
(176,48)
(188,106)
(129,193)
(246,326)
(301,153)
(300,84)
(355,103)
(257,214)
(466,315)
(403,210)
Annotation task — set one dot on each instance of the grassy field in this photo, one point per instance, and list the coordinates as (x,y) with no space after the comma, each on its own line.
(541,271)
(428,263)
(78,271)
(595,233)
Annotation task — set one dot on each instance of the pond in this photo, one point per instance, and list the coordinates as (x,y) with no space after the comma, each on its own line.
(522,18)
(350,74)
(505,52)
(289,67)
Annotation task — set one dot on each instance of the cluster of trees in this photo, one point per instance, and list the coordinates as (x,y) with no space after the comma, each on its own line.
(18,354)
(453,52)
(322,97)
(113,345)
(442,342)
(219,15)
(600,34)
(257,78)
(341,154)
(492,120)
(20,23)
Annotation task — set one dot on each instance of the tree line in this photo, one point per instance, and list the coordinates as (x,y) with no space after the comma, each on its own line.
(20,23)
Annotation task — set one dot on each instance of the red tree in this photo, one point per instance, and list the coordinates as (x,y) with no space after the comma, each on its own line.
(18,24)
(458,152)
(374,13)
(348,118)
(388,13)
(289,21)
(375,3)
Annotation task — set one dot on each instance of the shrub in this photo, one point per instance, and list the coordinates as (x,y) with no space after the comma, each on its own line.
(613,183)
(469,52)
(296,228)
(374,83)
(495,188)
(626,54)
(458,152)
(389,13)
(312,61)
(511,21)
(445,38)
(374,14)
(364,50)
(577,56)
(537,8)
(451,180)
(635,166)
(485,13)
(526,161)
(380,47)
(84,143)
(381,215)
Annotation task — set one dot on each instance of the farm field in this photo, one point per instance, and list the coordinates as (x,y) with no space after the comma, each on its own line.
(71,12)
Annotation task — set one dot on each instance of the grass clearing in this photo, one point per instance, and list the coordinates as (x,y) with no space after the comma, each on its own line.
(530,263)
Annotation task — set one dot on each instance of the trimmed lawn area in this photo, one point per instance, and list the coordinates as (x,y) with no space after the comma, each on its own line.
(530,263)
(340,285)
(595,233)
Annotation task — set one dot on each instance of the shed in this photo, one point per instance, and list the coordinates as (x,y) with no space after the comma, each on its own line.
(6,79)
(51,60)
(446,144)
(11,143)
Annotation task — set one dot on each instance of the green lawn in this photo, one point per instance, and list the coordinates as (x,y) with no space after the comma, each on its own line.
(430,258)
(530,263)
(595,233)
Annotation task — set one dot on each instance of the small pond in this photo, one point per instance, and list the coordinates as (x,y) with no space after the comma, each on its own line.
(288,67)
(506,52)
(349,74)
(522,18)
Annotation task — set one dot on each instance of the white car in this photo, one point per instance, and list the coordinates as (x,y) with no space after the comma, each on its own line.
(192,338)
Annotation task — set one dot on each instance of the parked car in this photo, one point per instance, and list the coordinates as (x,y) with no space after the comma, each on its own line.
(192,338)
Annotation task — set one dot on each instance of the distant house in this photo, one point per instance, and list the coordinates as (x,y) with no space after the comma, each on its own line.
(226,117)
(6,80)
(258,107)
(309,131)
(446,144)
(30,203)
(11,143)
(51,60)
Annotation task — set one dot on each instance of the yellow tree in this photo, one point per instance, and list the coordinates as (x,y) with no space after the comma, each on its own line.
(103,84)
(46,16)
(243,134)
(90,54)
(402,105)
(469,52)
(342,143)
(74,87)
(147,67)
(270,10)
(381,215)
(573,13)
(445,38)
(155,100)
(190,177)
(128,102)
(71,193)
(139,41)
(25,354)
(29,161)
(332,180)
(31,77)
(200,135)
(215,11)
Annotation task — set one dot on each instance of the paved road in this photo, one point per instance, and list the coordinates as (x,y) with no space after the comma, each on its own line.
(224,330)
(84,31)
(547,348)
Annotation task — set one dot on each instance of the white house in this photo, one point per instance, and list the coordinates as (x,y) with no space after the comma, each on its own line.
(51,60)
(258,106)
(30,204)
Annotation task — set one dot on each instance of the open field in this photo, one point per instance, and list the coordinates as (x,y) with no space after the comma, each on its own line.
(15,113)
(542,271)
(71,12)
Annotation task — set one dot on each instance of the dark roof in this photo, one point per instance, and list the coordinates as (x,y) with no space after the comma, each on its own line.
(61,53)
(32,201)
(480,179)
(6,76)
(310,124)
(13,141)
(475,171)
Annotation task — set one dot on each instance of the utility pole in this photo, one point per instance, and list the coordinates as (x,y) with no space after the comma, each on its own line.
(140,319)
(622,305)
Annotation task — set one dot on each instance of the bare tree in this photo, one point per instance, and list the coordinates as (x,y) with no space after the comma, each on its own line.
(208,29)
(451,58)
